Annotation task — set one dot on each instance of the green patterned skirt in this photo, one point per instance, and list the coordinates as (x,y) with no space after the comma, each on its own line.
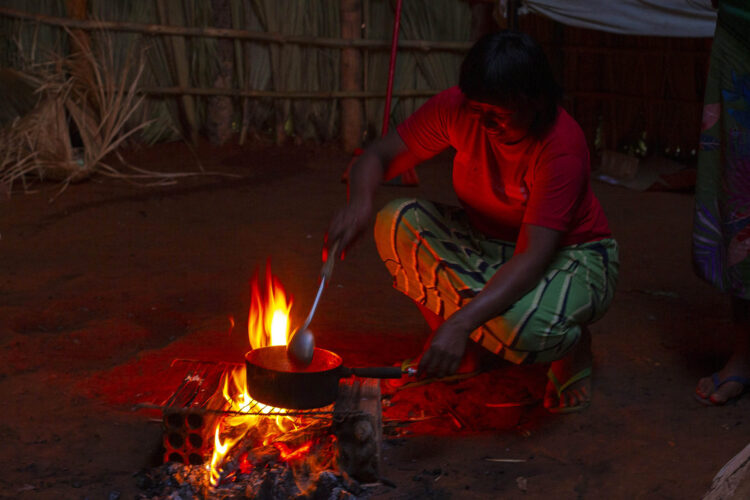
(441,262)
(721,229)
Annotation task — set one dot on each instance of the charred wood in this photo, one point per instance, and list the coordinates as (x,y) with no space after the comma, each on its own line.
(358,426)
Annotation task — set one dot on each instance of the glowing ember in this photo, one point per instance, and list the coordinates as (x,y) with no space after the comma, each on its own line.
(268,324)
(290,455)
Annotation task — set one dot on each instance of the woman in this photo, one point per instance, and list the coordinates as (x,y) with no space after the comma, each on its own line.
(721,229)
(528,261)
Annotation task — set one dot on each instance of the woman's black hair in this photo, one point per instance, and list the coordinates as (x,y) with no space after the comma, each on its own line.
(505,67)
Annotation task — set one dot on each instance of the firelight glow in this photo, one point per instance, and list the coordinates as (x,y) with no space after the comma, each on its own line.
(236,394)
(268,324)
(279,327)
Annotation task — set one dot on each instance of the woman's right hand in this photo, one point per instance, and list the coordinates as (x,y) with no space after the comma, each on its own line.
(364,178)
(348,224)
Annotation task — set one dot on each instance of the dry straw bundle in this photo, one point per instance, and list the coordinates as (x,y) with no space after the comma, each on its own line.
(87,95)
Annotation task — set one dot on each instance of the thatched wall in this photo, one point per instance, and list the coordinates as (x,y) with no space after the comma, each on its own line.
(618,86)
(193,62)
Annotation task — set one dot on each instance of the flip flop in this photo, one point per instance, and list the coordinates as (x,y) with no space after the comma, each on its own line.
(718,383)
(560,388)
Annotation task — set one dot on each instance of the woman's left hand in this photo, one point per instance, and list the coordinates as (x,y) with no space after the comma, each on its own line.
(445,352)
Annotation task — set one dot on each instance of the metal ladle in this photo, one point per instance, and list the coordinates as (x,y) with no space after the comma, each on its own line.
(301,346)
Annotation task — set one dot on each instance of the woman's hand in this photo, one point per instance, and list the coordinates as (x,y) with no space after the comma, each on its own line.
(446,350)
(364,178)
(348,224)
(535,249)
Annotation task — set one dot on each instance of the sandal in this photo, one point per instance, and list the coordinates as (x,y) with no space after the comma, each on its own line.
(718,383)
(560,388)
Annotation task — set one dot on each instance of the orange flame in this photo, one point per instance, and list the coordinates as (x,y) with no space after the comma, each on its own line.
(268,320)
(268,324)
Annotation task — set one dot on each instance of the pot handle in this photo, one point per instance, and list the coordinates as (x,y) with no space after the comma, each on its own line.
(376,372)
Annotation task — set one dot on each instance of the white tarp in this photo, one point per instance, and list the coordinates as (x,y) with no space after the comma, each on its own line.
(675,18)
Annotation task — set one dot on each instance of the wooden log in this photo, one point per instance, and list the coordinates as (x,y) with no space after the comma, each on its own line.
(358,426)
(351,75)
(252,447)
(733,480)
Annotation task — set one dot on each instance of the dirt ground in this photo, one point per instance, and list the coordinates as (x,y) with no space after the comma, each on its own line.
(102,288)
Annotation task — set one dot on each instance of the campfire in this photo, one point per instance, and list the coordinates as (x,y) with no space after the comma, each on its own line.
(221,443)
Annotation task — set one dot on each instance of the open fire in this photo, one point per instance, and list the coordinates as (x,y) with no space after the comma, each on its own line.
(257,450)
(268,324)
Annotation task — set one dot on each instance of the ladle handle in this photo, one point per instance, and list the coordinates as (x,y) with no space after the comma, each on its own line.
(325,277)
(377,372)
(327,269)
(314,306)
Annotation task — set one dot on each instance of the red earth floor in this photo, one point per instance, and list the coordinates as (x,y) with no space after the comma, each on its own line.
(102,288)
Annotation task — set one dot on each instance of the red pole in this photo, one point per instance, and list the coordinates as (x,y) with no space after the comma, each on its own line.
(408,178)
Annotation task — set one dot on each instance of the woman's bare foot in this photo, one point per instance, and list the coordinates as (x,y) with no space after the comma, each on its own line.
(728,383)
(577,393)
(731,381)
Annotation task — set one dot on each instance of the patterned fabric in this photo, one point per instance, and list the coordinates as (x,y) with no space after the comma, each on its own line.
(721,229)
(440,261)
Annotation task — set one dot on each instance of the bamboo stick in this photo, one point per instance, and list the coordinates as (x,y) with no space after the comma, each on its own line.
(286,94)
(159,29)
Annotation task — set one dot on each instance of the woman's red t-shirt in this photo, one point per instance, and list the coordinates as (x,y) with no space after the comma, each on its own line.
(545,182)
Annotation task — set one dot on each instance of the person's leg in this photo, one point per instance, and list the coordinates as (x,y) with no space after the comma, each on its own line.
(731,381)
(550,323)
(438,261)
(578,393)
(720,231)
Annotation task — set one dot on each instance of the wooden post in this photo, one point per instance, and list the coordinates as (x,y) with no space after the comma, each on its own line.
(80,42)
(512,14)
(168,10)
(482,18)
(351,75)
(220,110)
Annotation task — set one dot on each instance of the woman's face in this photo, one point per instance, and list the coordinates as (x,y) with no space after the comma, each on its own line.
(505,124)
